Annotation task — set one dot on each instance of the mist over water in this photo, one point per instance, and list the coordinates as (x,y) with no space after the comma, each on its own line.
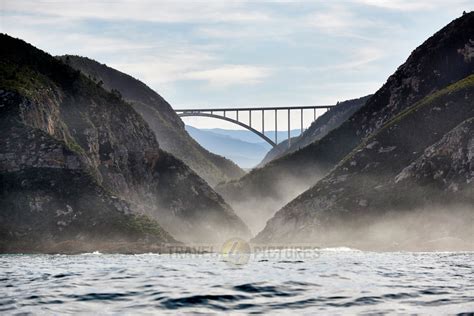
(429,228)
(328,281)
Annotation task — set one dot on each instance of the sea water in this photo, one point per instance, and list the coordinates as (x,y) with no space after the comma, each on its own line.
(330,281)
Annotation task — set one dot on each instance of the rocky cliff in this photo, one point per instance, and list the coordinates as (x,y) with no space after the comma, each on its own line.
(409,183)
(49,196)
(167,126)
(443,59)
(72,142)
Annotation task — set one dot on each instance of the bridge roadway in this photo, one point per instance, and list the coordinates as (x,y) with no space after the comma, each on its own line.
(222,114)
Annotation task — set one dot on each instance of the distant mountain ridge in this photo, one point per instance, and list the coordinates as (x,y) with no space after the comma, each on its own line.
(165,123)
(244,147)
(251,137)
(245,154)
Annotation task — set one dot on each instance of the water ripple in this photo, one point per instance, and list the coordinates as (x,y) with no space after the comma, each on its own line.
(201,300)
(333,283)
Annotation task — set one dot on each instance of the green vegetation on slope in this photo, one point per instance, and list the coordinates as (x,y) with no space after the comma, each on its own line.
(427,101)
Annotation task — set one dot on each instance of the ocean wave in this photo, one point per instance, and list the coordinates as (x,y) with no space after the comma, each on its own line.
(340,249)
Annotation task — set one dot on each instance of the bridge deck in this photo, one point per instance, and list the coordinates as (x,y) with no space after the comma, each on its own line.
(256,108)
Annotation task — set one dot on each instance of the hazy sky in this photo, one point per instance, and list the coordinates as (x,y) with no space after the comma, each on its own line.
(238,53)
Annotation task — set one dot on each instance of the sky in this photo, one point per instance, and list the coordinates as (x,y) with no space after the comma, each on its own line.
(238,53)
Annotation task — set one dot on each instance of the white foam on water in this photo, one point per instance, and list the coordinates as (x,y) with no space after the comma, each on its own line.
(339,249)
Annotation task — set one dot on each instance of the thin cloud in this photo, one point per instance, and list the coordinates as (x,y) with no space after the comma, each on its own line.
(76,43)
(168,65)
(179,47)
(361,58)
(341,21)
(410,5)
(228,75)
(144,10)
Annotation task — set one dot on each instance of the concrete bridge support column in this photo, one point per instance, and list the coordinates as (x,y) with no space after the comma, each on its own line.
(289,129)
(276,126)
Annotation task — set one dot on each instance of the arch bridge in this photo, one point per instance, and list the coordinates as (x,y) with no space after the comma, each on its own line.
(223,114)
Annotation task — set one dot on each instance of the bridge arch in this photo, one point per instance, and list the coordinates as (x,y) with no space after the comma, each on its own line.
(209,112)
(228,119)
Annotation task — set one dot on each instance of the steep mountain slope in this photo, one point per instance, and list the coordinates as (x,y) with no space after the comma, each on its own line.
(167,126)
(410,182)
(118,151)
(444,58)
(47,195)
(318,129)
(245,154)
(277,151)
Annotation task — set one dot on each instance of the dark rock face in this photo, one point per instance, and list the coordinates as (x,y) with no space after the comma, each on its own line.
(67,124)
(416,169)
(161,118)
(447,165)
(47,196)
(441,60)
(318,129)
